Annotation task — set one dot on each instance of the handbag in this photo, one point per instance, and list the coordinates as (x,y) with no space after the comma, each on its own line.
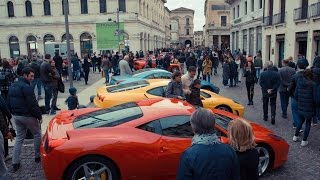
(11,129)
(61,87)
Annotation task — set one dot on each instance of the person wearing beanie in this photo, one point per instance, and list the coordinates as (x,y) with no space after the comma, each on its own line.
(72,101)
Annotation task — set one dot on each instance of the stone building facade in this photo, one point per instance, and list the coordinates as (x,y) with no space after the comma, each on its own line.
(217,25)
(246,25)
(198,38)
(31,27)
(184,17)
(291,27)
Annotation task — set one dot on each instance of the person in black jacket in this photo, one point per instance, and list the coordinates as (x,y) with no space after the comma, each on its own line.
(58,62)
(194,97)
(304,94)
(35,65)
(251,78)
(86,69)
(241,139)
(26,113)
(7,117)
(5,134)
(269,82)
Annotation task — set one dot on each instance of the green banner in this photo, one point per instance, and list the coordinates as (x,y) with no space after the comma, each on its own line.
(107,37)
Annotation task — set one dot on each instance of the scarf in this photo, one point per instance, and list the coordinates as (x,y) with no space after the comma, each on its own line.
(205,139)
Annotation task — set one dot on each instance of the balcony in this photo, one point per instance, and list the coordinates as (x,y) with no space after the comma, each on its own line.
(267,21)
(314,10)
(300,14)
(279,18)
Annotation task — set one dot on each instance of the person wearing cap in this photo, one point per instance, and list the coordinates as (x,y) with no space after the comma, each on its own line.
(72,101)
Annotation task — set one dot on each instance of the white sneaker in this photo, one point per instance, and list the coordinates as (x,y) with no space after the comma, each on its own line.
(304,143)
(295,138)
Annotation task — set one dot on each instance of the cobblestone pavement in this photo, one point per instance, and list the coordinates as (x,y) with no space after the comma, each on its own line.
(303,162)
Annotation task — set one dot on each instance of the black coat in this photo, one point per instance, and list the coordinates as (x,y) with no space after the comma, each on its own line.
(249,163)
(269,79)
(304,93)
(250,76)
(22,100)
(194,98)
(36,67)
(86,65)
(58,60)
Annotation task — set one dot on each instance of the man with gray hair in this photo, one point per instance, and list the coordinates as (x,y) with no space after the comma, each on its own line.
(207,158)
(269,82)
(124,66)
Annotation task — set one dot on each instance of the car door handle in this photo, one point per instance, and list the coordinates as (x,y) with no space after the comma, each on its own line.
(163,149)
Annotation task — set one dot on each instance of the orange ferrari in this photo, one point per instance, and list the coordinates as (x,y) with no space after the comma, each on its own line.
(141,63)
(136,141)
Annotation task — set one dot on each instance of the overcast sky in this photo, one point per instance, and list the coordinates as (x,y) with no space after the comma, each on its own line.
(196,5)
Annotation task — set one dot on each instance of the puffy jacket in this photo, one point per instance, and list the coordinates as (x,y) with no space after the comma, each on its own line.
(304,94)
(293,85)
(316,75)
(206,162)
(22,100)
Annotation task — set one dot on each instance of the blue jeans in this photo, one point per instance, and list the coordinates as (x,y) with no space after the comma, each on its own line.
(306,129)
(22,124)
(3,168)
(206,77)
(258,70)
(295,114)
(284,99)
(48,90)
(76,75)
(37,82)
(106,75)
(215,69)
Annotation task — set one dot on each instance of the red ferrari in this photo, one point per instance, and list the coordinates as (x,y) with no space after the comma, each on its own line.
(141,63)
(136,140)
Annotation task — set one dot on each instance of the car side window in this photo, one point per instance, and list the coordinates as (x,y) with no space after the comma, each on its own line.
(153,127)
(166,76)
(176,126)
(159,91)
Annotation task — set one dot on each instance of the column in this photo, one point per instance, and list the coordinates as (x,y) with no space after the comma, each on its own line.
(255,40)
(23,47)
(40,47)
(4,49)
(231,42)
(240,40)
(248,40)
(76,46)
(311,47)
(273,46)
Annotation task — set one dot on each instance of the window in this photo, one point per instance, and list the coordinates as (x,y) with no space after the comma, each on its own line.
(14,47)
(84,6)
(223,21)
(187,21)
(111,117)
(245,8)
(234,13)
(103,6)
(238,11)
(170,27)
(64,38)
(260,4)
(159,91)
(252,5)
(10,9)
(28,8)
(66,5)
(220,7)
(122,5)
(46,6)
(188,32)
(153,127)
(176,126)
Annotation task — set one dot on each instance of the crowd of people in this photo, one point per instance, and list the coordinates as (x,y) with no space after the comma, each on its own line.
(294,81)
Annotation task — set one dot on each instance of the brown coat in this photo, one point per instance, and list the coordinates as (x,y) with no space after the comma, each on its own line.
(207,67)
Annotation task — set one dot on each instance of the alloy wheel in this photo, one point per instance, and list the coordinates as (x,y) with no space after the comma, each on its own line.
(92,171)
(264,159)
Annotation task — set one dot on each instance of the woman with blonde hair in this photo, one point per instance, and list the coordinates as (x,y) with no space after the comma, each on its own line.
(241,138)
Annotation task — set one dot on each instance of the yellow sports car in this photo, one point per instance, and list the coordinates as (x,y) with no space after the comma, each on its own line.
(109,96)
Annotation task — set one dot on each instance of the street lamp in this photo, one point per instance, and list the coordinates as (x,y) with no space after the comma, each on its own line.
(66,22)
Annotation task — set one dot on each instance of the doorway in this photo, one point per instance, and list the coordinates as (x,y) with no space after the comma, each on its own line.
(280,52)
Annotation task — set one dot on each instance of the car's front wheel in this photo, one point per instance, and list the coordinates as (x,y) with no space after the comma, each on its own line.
(265,158)
(92,167)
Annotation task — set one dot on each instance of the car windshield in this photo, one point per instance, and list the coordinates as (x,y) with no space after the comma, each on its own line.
(141,71)
(222,121)
(111,117)
(127,86)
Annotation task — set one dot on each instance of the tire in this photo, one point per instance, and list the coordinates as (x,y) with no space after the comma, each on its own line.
(266,158)
(174,69)
(93,163)
(224,108)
